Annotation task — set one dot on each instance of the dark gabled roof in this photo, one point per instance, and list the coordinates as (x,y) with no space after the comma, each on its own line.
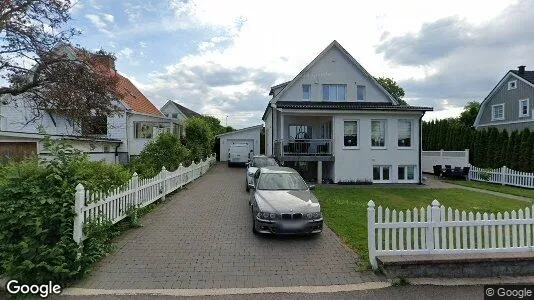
(527,75)
(349,105)
(283,84)
(186,111)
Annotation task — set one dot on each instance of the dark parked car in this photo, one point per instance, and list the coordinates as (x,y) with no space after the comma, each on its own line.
(281,203)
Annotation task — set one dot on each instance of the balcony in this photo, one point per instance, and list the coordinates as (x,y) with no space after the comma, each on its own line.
(304,149)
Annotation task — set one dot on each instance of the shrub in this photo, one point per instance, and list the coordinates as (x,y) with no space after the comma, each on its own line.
(199,138)
(36,219)
(166,151)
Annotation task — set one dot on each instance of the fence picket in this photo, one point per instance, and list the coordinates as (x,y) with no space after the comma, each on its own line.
(408,231)
(492,230)
(379,234)
(386,230)
(471,231)
(401,231)
(514,229)
(506,230)
(464,231)
(504,176)
(416,231)
(521,229)
(479,232)
(394,231)
(528,216)
(457,228)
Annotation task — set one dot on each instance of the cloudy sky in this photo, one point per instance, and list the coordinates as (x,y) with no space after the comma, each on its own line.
(220,57)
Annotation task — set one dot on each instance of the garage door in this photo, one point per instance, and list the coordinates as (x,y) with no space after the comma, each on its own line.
(17,150)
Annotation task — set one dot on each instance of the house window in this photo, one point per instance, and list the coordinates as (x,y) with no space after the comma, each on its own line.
(175,116)
(523,108)
(333,92)
(306,92)
(350,134)
(497,112)
(144,130)
(512,85)
(300,131)
(96,125)
(405,133)
(360,92)
(378,133)
(406,173)
(381,173)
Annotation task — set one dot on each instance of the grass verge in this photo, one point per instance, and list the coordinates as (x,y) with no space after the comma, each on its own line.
(345,209)
(506,189)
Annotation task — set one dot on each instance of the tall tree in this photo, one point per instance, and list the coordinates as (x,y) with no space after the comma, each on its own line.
(469,114)
(35,66)
(393,88)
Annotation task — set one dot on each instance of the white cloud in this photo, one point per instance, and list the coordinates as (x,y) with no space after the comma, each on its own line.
(102,21)
(281,37)
(125,53)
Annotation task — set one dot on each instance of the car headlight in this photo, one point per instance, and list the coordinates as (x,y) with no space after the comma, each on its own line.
(267,215)
(314,215)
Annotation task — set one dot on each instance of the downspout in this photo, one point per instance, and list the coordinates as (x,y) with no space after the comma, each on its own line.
(117,152)
(421,148)
(272,130)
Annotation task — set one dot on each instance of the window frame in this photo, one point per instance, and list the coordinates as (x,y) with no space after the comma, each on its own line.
(357,135)
(136,131)
(510,86)
(310,131)
(527,100)
(493,112)
(411,133)
(364,92)
(385,134)
(381,172)
(405,173)
(336,85)
(309,92)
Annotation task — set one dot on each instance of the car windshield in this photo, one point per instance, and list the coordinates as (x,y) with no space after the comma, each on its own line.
(281,181)
(261,162)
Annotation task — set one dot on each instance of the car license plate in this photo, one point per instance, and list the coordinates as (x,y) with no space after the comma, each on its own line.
(291,226)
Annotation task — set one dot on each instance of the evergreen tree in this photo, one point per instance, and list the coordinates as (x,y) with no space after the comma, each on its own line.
(524,151)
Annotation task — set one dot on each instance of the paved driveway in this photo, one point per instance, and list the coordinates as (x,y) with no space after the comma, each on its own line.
(202,238)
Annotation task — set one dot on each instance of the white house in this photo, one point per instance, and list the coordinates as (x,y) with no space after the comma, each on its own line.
(249,136)
(117,139)
(335,122)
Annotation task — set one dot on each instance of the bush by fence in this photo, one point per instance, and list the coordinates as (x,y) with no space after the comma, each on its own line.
(489,148)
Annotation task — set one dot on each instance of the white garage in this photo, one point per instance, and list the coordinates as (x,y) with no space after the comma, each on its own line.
(249,135)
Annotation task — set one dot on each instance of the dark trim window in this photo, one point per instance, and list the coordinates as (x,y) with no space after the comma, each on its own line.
(497,112)
(406,172)
(360,92)
(96,125)
(381,173)
(306,92)
(405,133)
(334,92)
(350,134)
(175,116)
(144,130)
(300,132)
(523,107)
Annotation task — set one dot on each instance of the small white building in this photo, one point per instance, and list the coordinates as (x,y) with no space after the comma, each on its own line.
(249,135)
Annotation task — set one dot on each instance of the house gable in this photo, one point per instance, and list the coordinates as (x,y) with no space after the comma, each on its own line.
(501,94)
(334,65)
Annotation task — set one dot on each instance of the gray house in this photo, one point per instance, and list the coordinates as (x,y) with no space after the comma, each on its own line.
(509,105)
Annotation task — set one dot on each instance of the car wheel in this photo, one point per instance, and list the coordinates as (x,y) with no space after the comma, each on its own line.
(254,223)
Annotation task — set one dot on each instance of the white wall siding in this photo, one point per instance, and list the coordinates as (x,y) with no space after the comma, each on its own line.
(252,134)
(269,133)
(136,145)
(334,68)
(357,164)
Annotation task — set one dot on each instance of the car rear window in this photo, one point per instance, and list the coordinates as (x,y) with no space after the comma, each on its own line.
(281,181)
(261,162)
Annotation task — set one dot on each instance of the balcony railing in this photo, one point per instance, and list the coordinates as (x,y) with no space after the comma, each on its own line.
(304,147)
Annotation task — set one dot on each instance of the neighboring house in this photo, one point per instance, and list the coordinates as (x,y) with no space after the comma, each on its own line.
(335,122)
(111,138)
(178,114)
(509,105)
(249,136)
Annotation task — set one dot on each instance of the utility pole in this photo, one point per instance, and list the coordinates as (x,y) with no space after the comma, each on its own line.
(226,121)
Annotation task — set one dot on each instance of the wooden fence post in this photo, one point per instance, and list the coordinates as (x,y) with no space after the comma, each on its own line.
(371,233)
(163,182)
(435,219)
(79,202)
(135,187)
(503,175)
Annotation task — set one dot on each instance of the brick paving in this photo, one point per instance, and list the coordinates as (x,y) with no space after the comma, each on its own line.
(202,238)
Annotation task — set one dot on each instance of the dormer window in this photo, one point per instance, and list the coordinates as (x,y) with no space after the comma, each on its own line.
(306,92)
(512,85)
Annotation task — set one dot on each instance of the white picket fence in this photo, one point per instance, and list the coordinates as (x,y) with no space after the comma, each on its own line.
(115,205)
(439,230)
(504,176)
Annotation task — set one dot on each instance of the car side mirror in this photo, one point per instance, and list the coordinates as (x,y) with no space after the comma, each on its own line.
(311,187)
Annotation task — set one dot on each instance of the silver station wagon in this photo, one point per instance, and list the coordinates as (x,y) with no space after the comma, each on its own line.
(281,203)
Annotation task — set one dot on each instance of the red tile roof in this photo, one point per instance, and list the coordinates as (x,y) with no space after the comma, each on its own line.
(133,97)
(125,89)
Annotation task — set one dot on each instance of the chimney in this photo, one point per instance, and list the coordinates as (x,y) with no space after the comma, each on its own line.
(104,60)
(521,69)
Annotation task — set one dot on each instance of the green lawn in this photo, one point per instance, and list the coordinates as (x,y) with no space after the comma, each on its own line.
(512,190)
(345,208)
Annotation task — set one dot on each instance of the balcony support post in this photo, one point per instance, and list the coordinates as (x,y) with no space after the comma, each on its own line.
(319,172)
